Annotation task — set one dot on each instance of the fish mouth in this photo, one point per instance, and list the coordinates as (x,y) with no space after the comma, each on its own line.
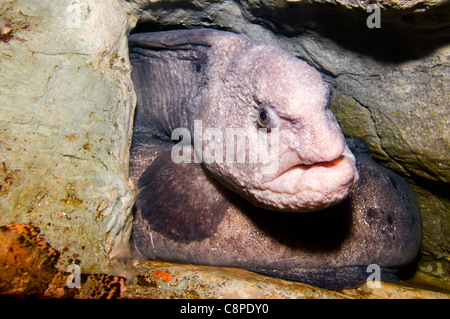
(305,167)
(310,187)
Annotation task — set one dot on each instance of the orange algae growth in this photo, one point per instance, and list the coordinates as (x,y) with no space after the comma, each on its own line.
(164,275)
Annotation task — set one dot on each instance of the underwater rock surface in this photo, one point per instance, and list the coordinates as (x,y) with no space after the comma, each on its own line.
(28,270)
(66,103)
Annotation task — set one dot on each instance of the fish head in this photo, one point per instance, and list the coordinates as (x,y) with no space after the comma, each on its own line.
(283,147)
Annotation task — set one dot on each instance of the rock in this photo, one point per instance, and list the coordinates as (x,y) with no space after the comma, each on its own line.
(66,103)
(166,280)
(28,270)
(206,282)
(390,85)
(66,106)
(27,261)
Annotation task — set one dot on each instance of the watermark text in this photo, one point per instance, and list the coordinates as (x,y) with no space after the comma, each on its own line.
(231,145)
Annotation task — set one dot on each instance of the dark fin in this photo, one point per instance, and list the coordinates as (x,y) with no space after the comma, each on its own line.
(181,201)
(175,39)
(146,145)
(170,75)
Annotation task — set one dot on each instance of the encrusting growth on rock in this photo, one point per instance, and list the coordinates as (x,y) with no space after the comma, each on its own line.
(28,269)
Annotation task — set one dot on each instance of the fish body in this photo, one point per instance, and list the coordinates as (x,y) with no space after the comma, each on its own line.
(239,162)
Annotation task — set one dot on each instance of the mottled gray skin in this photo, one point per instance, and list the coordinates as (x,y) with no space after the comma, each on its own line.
(207,214)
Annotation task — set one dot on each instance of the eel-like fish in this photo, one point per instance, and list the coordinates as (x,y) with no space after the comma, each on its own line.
(239,162)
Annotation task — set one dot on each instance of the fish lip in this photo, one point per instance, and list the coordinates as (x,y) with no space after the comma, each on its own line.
(306,167)
(299,178)
(327,164)
(309,187)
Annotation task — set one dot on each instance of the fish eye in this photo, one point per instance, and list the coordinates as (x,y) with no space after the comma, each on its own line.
(267,117)
(263,117)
